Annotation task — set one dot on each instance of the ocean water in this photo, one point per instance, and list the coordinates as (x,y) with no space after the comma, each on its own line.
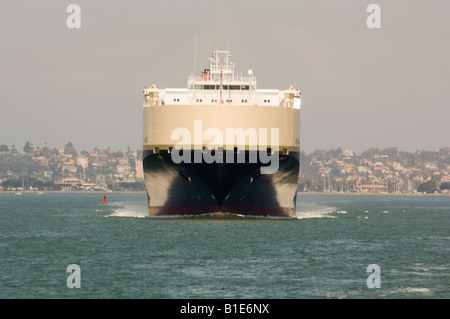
(322,253)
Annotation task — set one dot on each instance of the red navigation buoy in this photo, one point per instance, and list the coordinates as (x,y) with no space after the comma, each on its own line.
(104,200)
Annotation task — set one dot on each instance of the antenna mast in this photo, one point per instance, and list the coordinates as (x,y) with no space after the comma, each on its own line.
(195,54)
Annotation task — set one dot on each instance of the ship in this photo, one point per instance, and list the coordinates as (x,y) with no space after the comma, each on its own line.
(221,145)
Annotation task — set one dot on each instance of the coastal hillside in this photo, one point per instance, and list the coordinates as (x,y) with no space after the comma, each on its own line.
(376,170)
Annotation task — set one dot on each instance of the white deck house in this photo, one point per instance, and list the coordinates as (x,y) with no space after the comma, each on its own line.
(219,85)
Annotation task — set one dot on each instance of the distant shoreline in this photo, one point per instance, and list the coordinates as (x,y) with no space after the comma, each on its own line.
(73,192)
(374,194)
(298,193)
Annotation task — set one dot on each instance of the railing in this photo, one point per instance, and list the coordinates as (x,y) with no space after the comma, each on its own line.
(237,79)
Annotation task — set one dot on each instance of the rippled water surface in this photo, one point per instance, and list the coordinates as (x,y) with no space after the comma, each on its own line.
(322,253)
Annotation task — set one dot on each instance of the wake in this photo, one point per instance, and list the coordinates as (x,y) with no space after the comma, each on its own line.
(312,210)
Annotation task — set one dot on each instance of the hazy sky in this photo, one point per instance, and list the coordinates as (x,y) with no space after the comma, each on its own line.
(361,87)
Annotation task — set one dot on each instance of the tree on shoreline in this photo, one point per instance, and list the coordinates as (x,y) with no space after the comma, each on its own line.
(27,147)
(428,187)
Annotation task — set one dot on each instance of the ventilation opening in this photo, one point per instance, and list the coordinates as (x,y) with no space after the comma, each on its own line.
(185,176)
(255,177)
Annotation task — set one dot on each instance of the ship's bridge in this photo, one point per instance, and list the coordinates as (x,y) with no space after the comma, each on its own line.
(220,85)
